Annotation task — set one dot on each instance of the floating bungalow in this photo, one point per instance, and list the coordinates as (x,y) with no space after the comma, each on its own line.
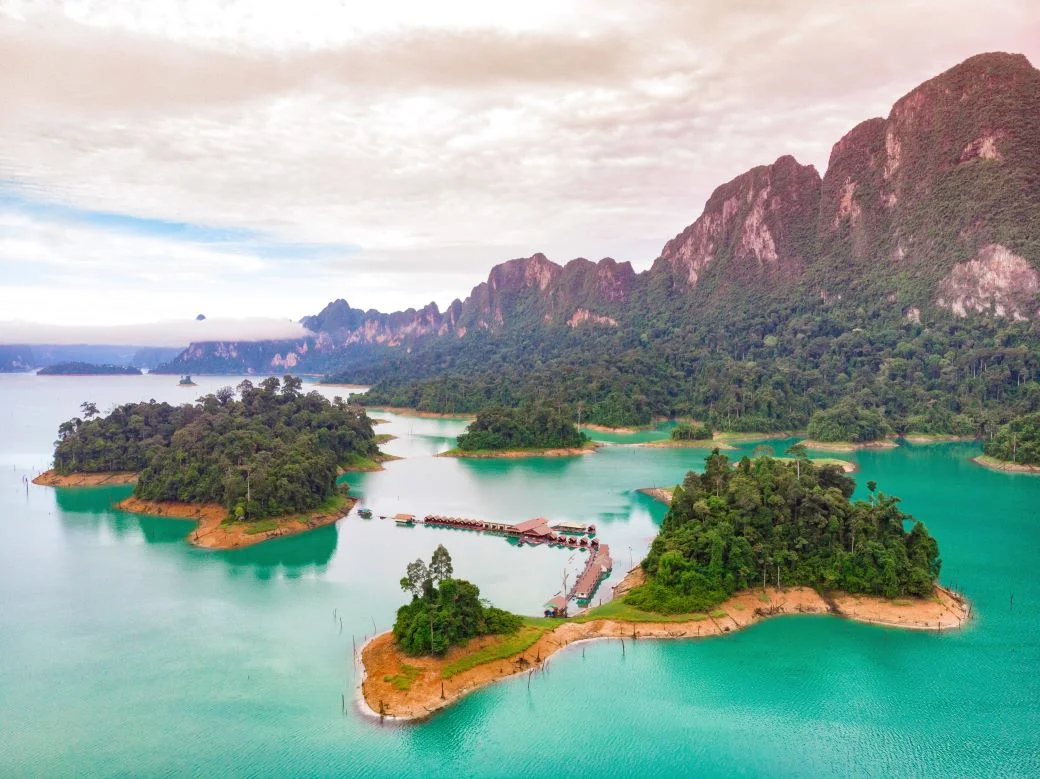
(556,607)
(404,520)
(365,513)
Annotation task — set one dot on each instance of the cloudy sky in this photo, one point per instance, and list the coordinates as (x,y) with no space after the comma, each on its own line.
(238,158)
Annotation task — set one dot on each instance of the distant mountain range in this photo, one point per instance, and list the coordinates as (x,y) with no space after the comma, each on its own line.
(21,358)
(934,211)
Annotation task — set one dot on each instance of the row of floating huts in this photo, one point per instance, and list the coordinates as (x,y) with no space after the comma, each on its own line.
(531,531)
(536,531)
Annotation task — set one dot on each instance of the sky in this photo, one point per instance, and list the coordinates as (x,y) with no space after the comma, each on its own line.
(247,160)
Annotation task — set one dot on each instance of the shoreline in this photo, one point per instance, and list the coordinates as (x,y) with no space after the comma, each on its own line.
(846,446)
(51,478)
(1003,465)
(514,454)
(380,659)
(938,438)
(660,494)
(211,532)
(724,436)
(671,443)
(411,412)
(377,463)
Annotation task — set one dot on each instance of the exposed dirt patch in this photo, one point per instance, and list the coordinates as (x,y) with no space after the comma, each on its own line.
(213,533)
(54,479)
(429,692)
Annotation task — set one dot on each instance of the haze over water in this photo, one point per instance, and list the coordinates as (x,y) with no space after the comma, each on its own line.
(125,650)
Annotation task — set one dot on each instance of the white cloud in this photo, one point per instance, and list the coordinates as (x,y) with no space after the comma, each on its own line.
(441,137)
(168,333)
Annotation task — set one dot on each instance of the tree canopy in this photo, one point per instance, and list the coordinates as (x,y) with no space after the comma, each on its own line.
(1018,441)
(273,451)
(788,523)
(531,426)
(444,612)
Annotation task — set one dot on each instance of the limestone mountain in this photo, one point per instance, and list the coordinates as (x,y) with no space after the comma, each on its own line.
(933,210)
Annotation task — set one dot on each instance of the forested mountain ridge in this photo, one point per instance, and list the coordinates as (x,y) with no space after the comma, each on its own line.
(904,279)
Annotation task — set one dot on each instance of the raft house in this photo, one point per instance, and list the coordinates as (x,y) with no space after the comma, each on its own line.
(530,531)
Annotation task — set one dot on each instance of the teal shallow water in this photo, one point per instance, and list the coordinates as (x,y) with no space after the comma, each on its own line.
(123,650)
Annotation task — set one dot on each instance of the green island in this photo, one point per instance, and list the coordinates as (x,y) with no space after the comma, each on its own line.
(1015,447)
(739,544)
(531,429)
(847,426)
(87,369)
(248,463)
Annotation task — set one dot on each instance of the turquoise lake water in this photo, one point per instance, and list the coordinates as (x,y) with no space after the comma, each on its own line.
(126,651)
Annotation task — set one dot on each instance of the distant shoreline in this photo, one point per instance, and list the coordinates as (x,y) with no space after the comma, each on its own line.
(995,464)
(847,446)
(411,412)
(429,692)
(513,454)
(937,438)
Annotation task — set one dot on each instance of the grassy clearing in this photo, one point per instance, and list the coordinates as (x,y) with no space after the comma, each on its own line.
(719,614)
(507,646)
(404,678)
(619,610)
(260,526)
(358,462)
(383,438)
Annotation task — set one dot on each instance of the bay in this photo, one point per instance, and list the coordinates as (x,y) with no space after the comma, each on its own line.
(124,650)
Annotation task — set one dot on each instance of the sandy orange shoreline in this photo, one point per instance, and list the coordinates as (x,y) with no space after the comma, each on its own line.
(53,479)
(1002,465)
(212,533)
(429,693)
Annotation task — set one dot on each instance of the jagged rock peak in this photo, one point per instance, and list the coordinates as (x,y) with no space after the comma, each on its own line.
(754,224)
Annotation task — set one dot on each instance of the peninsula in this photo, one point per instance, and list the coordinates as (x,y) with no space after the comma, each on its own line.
(738,545)
(248,468)
(1015,447)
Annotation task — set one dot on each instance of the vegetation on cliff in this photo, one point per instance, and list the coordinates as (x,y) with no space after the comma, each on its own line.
(271,451)
(531,426)
(444,612)
(782,523)
(88,369)
(1017,442)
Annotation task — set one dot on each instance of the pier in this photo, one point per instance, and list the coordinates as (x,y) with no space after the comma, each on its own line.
(570,535)
(530,531)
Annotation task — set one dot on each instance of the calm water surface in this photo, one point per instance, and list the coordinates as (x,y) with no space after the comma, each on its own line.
(124,650)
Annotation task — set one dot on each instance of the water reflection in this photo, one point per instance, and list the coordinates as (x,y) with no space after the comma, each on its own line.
(291,557)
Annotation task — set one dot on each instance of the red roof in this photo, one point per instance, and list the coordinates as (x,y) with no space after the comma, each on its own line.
(530,524)
(558,603)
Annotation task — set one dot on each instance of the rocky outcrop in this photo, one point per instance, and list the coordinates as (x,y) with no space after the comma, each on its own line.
(757,227)
(935,206)
(996,283)
(942,178)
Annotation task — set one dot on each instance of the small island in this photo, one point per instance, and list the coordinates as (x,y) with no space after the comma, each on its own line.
(1015,447)
(531,430)
(260,465)
(87,369)
(847,427)
(738,545)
